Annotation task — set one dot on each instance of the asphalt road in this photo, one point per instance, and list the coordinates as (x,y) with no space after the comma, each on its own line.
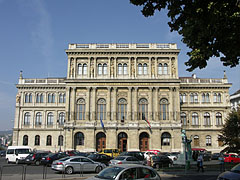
(13,172)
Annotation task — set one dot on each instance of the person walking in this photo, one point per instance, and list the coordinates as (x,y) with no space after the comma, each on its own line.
(200,163)
(221,163)
(148,159)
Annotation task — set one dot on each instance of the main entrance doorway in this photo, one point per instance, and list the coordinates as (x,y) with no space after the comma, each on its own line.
(100,141)
(144,141)
(122,141)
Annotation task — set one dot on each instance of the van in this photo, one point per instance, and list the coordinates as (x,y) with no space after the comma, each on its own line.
(111,152)
(15,154)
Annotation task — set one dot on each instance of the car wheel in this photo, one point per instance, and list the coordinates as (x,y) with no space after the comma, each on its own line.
(37,163)
(157,166)
(98,169)
(69,170)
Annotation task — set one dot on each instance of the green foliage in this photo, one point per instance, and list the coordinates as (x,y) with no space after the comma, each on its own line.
(231,131)
(210,28)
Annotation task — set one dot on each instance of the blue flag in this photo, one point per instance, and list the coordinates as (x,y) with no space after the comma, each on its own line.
(102,124)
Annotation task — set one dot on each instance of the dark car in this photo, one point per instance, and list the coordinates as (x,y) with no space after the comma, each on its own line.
(76,153)
(161,161)
(2,153)
(233,174)
(35,158)
(215,156)
(137,154)
(207,156)
(47,160)
(103,158)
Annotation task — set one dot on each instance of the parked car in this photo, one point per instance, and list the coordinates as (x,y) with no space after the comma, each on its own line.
(76,153)
(2,153)
(136,154)
(207,156)
(73,164)
(233,174)
(110,152)
(125,160)
(127,171)
(161,161)
(215,156)
(103,158)
(16,154)
(35,158)
(231,158)
(48,160)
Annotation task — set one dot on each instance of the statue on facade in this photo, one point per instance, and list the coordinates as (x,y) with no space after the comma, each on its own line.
(153,70)
(173,69)
(71,69)
(92,71)
(112,70)
(18,97)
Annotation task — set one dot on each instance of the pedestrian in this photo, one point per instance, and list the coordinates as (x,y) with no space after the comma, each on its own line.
(148,159)
(221,163)
(200,163)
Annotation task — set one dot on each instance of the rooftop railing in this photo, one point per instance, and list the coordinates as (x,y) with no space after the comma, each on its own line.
(41,81)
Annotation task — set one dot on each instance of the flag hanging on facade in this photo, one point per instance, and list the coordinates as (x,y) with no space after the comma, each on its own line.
(102,125)
(149,125)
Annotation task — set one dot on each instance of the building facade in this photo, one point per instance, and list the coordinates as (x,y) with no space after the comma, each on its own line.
(125,96)
(235,100)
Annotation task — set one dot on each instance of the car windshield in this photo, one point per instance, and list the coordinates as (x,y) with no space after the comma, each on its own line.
(92,156)
(236,169)
(64,159)
(22,151)
(107,150)
(109,173)
(120,158)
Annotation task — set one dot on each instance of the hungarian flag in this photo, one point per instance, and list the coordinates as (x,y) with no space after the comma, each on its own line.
(149,125)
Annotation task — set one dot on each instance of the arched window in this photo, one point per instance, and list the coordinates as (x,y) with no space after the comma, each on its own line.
(165,139)
(216,97)
(49,140)
(62,98)
(143,109)
(182,98)
(79,139)
(125,69)
(207,120)
(100,69)
(84,69)
(195,118)
(60,140)
(104,69)
(193,97)
(218,118)
(37,140)
(119,69)
(122,109)
(163,109)
(79,69)
(165,69)
(208,141)
(28,98)
(51,98)
(184,118)
(196,141)
(25,140)
(61,118)
(207,97)
(41,98)
(37,98)
(27,117)
(101,109)
(50,119)
(160,69)
(139,68)
(38,120)
(81,109)
(145,69)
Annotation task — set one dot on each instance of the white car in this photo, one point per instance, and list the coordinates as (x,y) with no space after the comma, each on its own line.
(17,153)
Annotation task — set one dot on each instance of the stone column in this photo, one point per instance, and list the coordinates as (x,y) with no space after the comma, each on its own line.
(95,66)
(88,104)
(156,104)
(150,108)
(73,103)
(129,67)
(89,68)
(94,89)
(150,67)
(69,68)
(115,67)
(109,67)
(67,107)
(156,67)
(136,104)
(115,103)
(129,118)
(171,102)
(109,104)
(75,68)
(135,64)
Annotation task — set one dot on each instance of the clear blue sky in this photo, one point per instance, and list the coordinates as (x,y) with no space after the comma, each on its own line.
(35,33)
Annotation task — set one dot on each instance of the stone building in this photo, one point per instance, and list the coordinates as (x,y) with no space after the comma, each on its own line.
(235,100)
(125,96)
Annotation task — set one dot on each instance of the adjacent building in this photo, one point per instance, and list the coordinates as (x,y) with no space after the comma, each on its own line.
(126,96)
(235,100)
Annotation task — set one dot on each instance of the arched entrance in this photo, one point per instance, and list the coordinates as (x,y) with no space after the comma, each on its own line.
(78,139)
(144,141)
(122,141)
(100,141)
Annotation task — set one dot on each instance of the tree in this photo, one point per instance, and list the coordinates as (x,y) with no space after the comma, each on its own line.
(208,27)
(231,131)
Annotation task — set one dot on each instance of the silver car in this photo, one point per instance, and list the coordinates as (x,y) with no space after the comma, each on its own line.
(127,172)
(125,160)
(76,164)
